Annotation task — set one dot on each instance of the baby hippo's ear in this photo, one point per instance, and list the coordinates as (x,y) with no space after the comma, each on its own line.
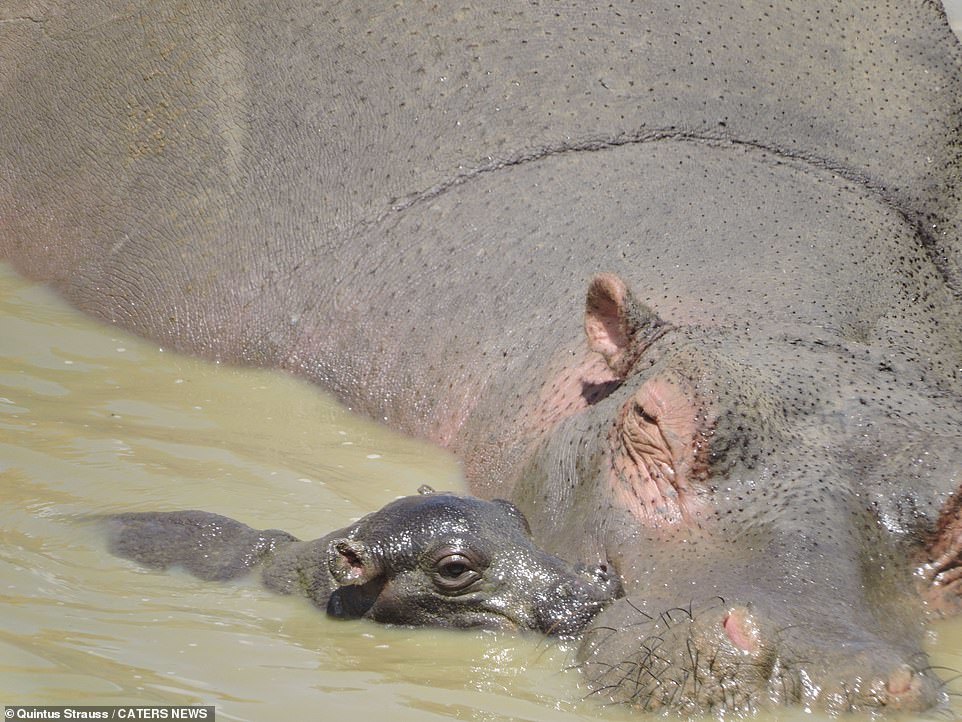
(515,513)
(351,562)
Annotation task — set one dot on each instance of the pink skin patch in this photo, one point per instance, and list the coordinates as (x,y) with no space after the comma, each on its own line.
(741,630)
(658,450)
(658,444)
(901,681)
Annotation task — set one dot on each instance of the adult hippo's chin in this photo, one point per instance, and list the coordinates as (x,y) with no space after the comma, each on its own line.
(681,282)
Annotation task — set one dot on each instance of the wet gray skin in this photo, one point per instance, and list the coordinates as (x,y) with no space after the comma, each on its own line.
(434,560)
(680,280)
(818,479)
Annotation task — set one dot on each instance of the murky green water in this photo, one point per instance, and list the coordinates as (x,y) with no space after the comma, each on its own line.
(94,421)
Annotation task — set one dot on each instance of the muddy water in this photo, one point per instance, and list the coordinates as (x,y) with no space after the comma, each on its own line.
(93,421)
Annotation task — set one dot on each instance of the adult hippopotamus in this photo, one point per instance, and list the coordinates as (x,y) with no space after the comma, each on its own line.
(437,560)
(682,281)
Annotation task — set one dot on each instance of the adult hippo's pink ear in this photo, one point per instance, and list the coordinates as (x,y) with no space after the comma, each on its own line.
(619,326)
(351,562)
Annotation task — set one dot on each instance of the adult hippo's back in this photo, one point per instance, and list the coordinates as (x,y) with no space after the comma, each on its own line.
(682,282)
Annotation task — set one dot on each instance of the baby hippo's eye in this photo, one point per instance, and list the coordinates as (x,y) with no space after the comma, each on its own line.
(454,573)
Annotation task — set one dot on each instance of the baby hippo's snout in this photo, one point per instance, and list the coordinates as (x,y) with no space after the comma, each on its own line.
(600,576)
(578,594)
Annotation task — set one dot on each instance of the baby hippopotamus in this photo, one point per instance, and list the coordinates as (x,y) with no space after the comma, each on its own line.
(435,559)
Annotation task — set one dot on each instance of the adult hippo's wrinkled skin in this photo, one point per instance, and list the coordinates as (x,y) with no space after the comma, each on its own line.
(434,560)
(681,280)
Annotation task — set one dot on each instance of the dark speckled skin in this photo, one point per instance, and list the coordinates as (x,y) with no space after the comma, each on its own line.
(407,203)
(435,560)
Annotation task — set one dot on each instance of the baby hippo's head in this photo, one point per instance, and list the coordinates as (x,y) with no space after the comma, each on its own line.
(454,561)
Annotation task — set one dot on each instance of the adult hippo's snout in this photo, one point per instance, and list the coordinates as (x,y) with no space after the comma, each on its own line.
(719,657)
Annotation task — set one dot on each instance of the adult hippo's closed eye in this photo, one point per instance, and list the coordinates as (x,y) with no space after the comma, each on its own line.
(430,560)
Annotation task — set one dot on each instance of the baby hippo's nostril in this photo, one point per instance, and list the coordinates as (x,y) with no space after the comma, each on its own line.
(600,575)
